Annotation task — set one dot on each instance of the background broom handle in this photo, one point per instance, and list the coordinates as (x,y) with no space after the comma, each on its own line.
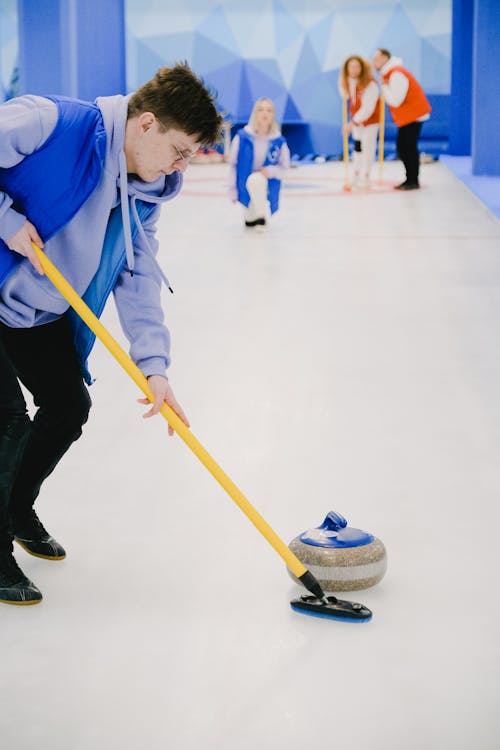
(180,428)
(381,139)
(345,139)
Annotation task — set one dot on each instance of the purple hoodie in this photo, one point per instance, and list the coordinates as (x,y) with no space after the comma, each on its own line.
(26,299)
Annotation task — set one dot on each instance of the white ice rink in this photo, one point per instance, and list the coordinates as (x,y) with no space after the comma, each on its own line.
(348,359)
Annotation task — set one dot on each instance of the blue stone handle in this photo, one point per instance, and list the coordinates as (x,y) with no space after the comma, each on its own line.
(334,522)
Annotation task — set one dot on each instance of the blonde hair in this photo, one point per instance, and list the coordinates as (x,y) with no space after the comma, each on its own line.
(275,128)
(365,76)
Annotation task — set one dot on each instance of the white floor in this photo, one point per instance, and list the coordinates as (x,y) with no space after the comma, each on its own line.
(348,359)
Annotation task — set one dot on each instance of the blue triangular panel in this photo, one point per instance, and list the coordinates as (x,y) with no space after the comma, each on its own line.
(245,100)
(441,43)
(319,37)
(398,33)
(343,41)
(411,59)
(270,68)
(428,16)
(332,77)
(280,104)
(435,70)
(208,55)
(291,113)
(261,84)
(216,28)
(364,24)
(225,81)
(289,59)
(287,28)
(171,48)
(252,24)
(307,66)
(320,102)
(148,63)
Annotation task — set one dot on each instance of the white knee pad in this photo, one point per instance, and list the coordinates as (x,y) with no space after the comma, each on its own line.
(256,185)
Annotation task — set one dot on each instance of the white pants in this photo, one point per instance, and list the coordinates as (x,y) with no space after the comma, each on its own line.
(362,161)
(258,208)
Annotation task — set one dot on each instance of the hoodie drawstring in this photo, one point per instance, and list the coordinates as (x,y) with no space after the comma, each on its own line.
(147,246)
(129,249)
(124,202)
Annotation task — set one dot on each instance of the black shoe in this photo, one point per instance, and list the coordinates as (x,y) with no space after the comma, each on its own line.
(256,223)
(15,588)
(408,186)
(36,540)
(402,186)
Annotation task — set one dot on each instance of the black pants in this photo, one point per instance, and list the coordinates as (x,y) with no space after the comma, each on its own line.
(43,358)
(406,145)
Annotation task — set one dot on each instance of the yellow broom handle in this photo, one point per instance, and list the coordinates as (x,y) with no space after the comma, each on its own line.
(381,138)
(345,138)
(180,428)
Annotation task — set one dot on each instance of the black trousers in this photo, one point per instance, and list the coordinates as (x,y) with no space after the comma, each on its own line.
(407,147)
(44,360)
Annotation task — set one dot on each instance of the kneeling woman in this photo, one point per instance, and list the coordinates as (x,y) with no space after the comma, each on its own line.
(258,157)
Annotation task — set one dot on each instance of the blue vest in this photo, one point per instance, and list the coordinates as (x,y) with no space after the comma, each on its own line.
(244,168)
(51,185)
(112,263)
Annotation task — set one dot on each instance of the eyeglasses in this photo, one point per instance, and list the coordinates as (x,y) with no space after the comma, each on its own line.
(182,156)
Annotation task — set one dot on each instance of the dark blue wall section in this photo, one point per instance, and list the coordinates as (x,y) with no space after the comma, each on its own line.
(72,47)
(100,48)
(39,47)
(485,87)
(461,77)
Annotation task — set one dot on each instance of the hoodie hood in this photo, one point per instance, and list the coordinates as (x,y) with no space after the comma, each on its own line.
(393,62)
(274,133)
(114,111)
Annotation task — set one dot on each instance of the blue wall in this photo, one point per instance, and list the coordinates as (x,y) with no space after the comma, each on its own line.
(9,47)
(71,47)
(461,77)
(291,51)
(485,88)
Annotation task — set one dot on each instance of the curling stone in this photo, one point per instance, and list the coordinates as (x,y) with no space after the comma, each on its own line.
(340,557)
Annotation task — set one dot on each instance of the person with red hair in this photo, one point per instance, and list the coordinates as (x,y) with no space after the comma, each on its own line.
(356,82)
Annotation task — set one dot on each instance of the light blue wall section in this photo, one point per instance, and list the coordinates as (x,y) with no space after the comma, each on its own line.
(9,47)
(288,50)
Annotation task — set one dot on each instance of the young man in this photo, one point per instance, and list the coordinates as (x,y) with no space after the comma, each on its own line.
(86,182)
(409,108)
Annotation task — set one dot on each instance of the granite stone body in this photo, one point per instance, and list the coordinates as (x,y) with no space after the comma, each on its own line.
(341,567)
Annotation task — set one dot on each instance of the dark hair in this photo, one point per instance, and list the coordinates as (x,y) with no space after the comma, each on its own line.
(181,100)
(384,51)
